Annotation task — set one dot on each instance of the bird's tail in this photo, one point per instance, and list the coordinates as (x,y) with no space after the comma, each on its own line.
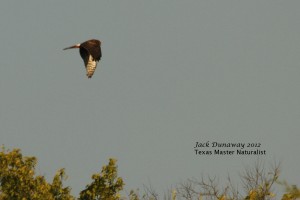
(90,68)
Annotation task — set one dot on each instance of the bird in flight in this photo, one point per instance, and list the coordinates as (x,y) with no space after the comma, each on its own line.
(90,52)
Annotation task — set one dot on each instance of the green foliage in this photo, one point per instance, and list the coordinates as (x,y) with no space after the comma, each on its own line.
(292,192)
(18,180)
(57,189)
(106,185)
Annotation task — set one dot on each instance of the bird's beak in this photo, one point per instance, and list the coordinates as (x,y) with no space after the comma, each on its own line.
(72,47)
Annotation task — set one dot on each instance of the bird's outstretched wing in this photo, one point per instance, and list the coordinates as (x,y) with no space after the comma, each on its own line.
(93,47)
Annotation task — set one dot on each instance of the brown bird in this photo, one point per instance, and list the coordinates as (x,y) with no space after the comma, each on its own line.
(90,52)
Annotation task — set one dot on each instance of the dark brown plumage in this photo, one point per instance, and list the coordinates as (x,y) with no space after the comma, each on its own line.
(90,52)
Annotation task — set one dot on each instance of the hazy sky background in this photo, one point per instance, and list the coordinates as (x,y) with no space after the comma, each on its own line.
(173,73)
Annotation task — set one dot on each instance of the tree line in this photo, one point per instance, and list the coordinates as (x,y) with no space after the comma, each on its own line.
(19,181)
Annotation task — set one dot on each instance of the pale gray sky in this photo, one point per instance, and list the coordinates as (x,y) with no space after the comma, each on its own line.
(173,73)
